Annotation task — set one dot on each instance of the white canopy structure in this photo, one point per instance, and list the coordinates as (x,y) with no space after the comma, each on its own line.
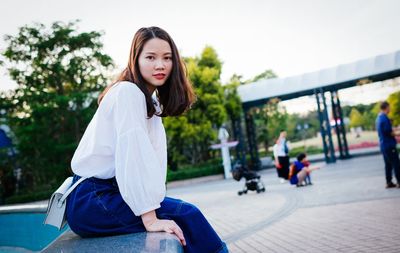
(376,68)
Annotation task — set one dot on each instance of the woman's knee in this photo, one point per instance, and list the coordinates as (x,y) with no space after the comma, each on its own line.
(189,209)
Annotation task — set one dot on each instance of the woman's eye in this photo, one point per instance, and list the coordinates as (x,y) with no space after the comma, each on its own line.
(168,58)
(150,57)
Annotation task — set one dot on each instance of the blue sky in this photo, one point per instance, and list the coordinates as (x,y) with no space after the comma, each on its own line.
(290,37)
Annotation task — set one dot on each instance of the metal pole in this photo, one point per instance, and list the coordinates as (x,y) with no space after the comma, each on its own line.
(322,128)
(343,129)
(337,127)
(328,129)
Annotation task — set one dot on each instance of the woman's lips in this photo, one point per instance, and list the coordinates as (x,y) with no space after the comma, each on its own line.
(159,76)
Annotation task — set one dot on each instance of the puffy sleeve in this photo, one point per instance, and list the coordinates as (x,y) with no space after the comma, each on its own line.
(138,171)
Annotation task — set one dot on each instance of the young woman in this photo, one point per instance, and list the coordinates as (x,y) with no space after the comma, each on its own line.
(281,155)
(123,152)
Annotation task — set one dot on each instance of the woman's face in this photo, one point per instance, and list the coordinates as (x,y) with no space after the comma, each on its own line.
(155,62)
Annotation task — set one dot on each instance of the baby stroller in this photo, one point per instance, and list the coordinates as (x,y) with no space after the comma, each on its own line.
(253,181)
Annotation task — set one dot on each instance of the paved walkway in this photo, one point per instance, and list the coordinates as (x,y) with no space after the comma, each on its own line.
(347,209)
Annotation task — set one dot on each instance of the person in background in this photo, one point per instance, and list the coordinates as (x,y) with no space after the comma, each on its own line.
(281,155)
(387,143)
(300,171)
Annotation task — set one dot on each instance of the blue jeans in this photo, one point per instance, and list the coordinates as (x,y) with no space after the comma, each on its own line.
(392,163)
(96,208)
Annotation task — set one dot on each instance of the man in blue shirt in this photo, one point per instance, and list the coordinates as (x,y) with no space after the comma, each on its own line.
(387,143)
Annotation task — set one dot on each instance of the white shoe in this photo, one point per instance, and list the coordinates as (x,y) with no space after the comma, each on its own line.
(282,181)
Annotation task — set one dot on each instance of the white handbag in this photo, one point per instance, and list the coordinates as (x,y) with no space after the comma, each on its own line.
(55,214)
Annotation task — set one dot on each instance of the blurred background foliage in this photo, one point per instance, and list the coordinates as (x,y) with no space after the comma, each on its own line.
(60,72)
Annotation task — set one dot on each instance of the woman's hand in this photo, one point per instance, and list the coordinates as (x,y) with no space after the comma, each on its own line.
(153,224)
(168,226)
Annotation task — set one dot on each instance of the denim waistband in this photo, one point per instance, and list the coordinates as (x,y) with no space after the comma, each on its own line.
(109,181)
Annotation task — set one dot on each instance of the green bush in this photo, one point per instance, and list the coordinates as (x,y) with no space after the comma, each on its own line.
(266,153)
(29,197)
(211,167)
(310,150)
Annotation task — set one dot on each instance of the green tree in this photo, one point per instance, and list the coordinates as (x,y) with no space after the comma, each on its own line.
(233,104)
(270,120)
(368,114)
(356,119)
(190,136)
(361,108)
(59,72)
(267,74)
(295,120)
(394,101)
(376,108)
(368,119)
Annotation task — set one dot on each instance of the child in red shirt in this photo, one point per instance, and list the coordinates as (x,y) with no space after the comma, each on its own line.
(300,171)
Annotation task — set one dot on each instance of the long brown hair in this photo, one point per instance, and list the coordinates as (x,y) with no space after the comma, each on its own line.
(176,95)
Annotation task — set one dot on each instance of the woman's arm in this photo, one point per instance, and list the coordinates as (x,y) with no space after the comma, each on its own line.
(275,150)
(139,172)
(153,224)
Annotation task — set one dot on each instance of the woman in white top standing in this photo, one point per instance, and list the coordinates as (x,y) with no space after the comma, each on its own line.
(123,152)
(281,155)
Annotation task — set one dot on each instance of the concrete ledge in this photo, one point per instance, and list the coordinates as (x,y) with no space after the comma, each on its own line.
(33,207)
(70,242)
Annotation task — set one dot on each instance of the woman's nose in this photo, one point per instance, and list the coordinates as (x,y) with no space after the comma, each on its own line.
(160,64)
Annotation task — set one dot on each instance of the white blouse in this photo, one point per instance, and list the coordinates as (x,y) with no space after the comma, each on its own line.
(121,141)
(279,148)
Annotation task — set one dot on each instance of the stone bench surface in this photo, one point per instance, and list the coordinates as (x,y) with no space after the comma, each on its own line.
(69,242)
